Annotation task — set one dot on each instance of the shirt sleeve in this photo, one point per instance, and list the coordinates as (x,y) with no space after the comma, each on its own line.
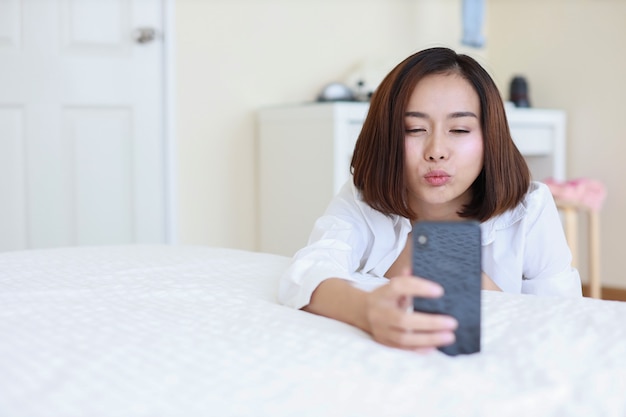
(547,264)
(335,249)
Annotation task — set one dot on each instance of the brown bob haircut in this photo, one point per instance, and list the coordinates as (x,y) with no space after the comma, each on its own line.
(378,159)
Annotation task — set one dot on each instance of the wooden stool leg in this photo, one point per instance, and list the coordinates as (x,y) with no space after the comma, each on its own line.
(570,220)
(595,288)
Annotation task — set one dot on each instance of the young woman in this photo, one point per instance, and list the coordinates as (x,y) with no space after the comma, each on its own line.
(435,146)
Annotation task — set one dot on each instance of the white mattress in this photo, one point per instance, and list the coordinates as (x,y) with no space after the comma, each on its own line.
(194,331)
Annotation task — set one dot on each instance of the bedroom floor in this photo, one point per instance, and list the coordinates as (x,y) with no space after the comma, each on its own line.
(608,293)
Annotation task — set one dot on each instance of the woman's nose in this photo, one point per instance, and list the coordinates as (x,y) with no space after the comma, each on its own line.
(435,149)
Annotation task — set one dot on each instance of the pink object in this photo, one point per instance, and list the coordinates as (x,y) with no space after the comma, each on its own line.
(581,192)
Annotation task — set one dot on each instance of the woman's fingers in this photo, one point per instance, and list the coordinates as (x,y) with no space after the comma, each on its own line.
(413,339)
(414,287)
(416,340)
(412,330)
(394,325)
(417,321)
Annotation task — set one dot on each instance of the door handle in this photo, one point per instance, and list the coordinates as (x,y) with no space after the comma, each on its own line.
(145,35)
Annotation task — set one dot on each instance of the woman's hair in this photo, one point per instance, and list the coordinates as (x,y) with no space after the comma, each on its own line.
(378,159)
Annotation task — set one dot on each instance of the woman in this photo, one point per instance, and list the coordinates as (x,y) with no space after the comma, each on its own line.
(435,146)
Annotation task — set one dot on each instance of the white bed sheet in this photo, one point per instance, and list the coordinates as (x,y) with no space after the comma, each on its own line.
(196,331)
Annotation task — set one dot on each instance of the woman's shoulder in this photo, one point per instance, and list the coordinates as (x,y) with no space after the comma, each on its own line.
(537,197)
(348,210)
(537,200)
(349,201)
(534,202)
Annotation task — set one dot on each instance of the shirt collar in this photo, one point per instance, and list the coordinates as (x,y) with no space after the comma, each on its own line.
(488,228)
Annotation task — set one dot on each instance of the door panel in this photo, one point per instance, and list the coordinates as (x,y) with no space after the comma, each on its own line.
(81,116)
(90,24)
(10,26)
(102,160)
(12,169)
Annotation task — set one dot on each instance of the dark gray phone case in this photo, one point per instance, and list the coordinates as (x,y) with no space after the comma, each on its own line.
(449,253)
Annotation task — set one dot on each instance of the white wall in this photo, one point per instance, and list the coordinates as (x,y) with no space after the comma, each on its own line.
(235,56)
(572,53)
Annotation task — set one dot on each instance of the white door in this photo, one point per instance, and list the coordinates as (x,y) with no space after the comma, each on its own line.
(82,155)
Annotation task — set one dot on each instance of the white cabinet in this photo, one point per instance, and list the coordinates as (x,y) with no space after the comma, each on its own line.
(305,152)
(304,158)
(540,136)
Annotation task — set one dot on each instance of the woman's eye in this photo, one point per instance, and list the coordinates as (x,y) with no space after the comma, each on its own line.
(459,131)
(415,130)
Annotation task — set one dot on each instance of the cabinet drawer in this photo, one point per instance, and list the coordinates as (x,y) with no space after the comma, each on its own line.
(533,140)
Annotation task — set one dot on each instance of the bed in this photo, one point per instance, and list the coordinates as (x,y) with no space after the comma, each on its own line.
(196,331)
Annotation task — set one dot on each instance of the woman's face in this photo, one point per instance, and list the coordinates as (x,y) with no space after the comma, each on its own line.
(443,145)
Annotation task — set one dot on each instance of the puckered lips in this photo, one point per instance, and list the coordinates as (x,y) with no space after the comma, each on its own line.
(437,178)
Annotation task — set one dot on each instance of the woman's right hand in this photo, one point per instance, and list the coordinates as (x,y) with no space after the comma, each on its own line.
(391,320)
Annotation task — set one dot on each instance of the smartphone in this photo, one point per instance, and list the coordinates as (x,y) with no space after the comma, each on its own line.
(449,253)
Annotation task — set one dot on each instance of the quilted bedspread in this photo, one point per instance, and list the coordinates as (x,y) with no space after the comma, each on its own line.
(196,331)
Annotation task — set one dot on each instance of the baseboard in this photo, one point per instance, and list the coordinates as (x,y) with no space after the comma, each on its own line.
(608,293)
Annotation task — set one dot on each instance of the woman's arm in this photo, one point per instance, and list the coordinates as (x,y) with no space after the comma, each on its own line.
(488,284)
(547,256)
(386,313)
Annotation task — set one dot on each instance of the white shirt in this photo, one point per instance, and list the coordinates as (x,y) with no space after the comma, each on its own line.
(523,250)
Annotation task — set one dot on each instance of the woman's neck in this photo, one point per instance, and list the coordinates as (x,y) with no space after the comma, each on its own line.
(439,213)
(448,211)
